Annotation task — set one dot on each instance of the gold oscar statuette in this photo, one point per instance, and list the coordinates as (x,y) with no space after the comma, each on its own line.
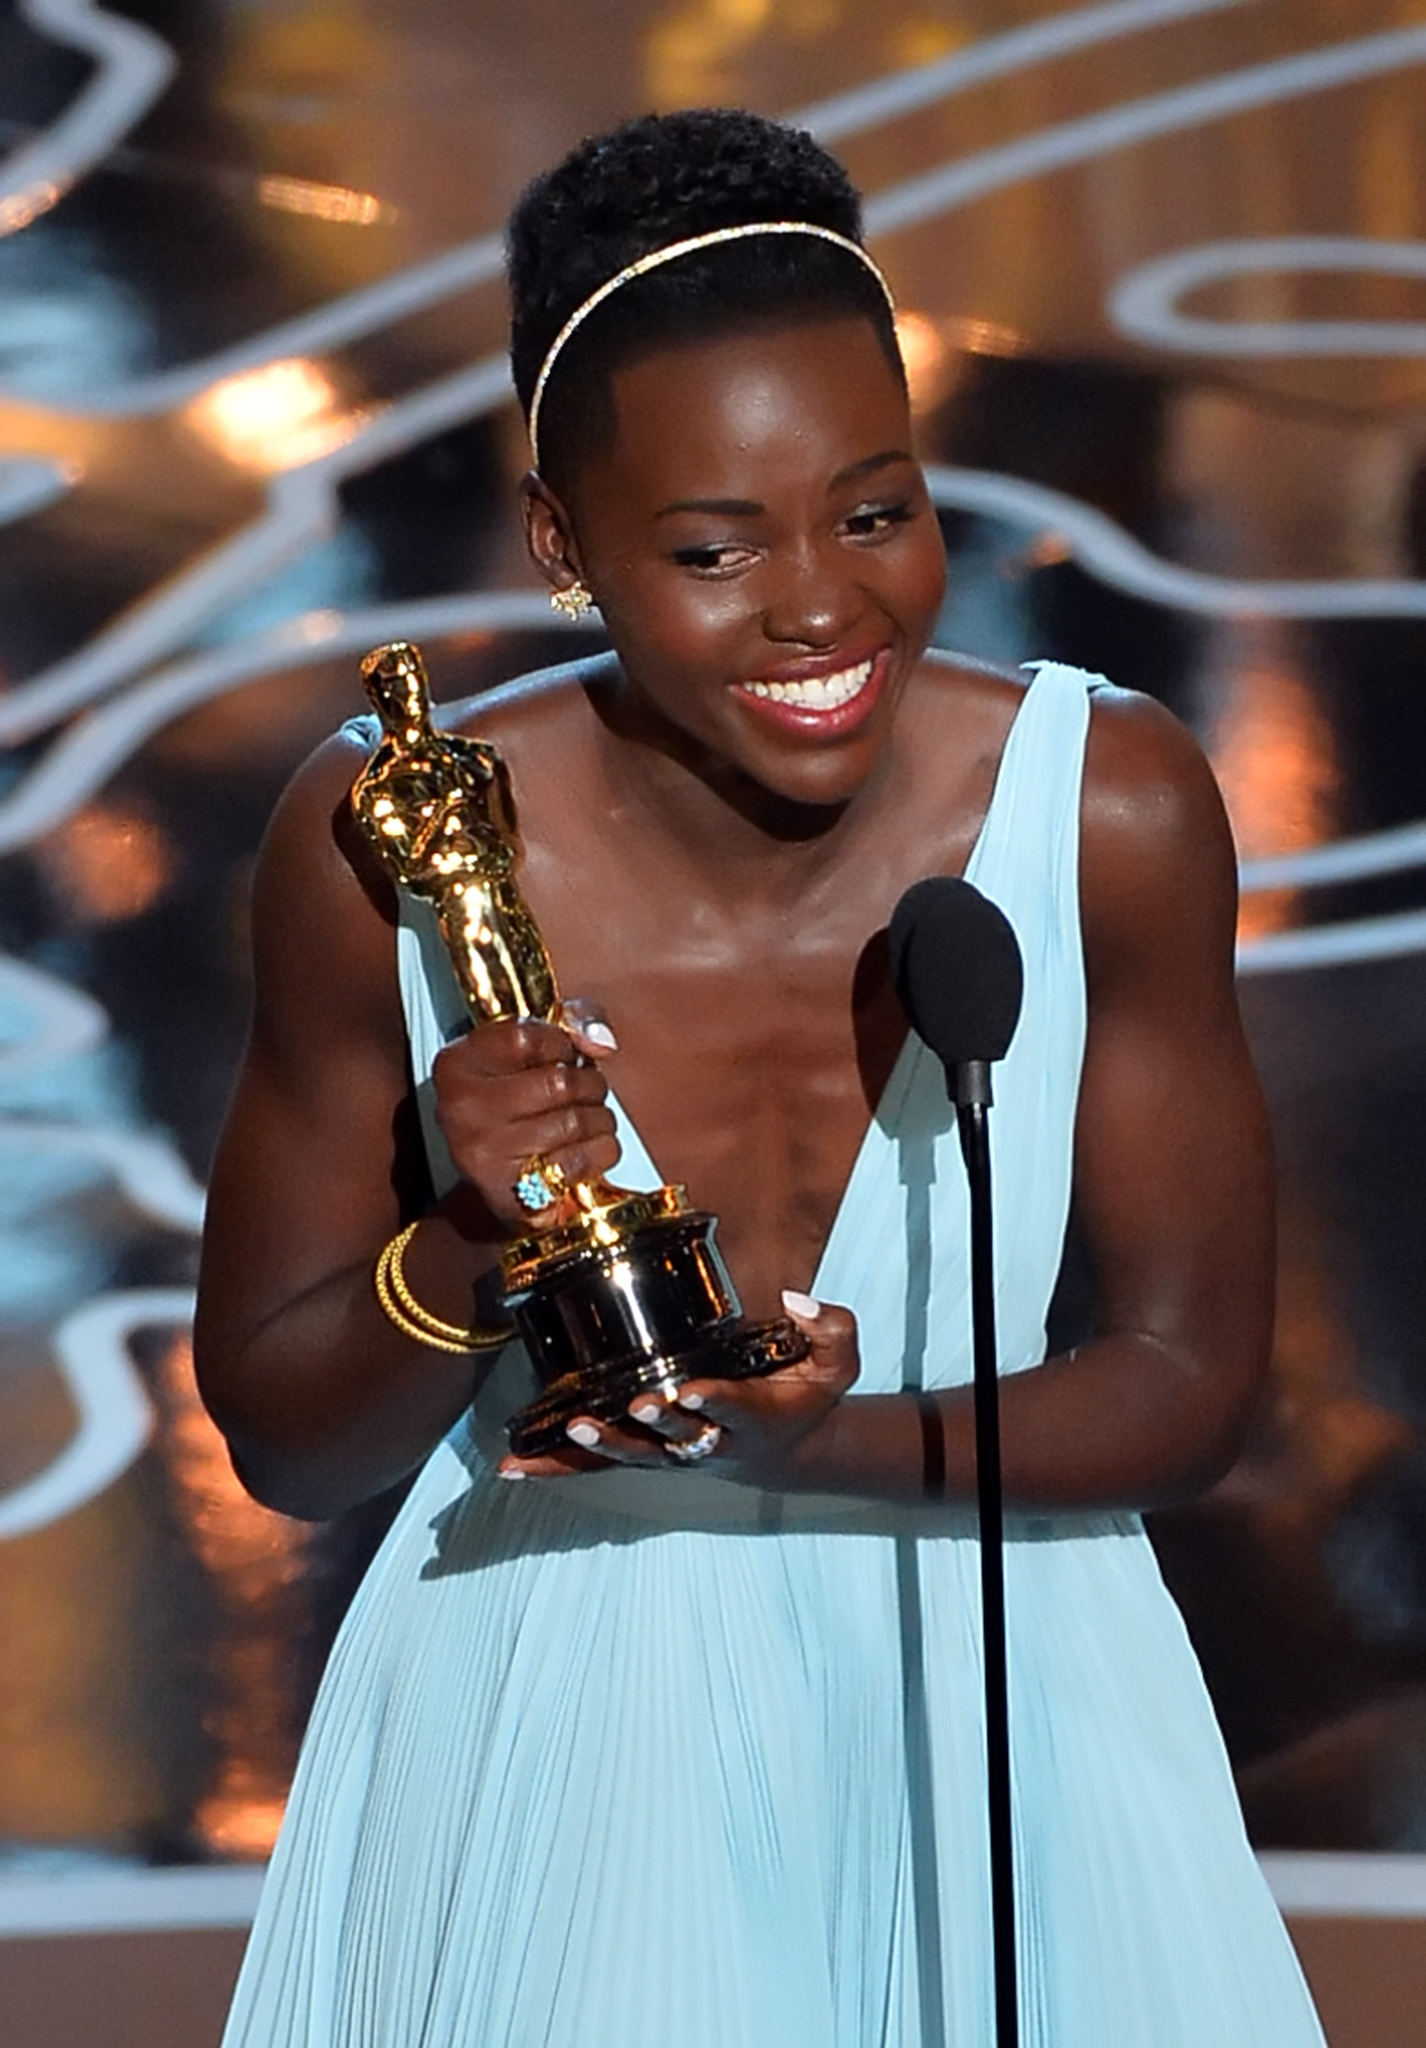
(618,1292)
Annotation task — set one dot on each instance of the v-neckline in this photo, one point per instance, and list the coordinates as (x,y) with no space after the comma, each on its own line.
(896,1088)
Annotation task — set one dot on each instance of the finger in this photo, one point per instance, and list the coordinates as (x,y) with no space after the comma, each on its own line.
(507,1047)
(549,1465)
(590,1149)
(565,1120)
(547,1118)
(588,1027)
(524,1091)
(721,1401)
(832,1334)
(622,1446)
(673,1421)
(747,1408)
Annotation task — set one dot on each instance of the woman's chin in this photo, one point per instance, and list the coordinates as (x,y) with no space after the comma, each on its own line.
(811,787)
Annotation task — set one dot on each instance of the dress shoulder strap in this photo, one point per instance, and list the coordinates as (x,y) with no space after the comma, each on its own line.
(435,1013)
(1027,855)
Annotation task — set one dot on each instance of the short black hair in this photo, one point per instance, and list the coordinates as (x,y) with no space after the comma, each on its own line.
(657,180)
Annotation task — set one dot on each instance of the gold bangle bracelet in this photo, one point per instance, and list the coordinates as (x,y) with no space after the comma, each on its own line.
(402,1308)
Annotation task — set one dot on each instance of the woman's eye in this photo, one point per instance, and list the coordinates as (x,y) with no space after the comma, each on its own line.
(870,520)
(713,559)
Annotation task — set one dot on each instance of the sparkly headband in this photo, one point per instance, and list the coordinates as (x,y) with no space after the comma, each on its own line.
(655,260)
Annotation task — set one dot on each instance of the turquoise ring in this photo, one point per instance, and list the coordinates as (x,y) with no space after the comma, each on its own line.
(540,1185)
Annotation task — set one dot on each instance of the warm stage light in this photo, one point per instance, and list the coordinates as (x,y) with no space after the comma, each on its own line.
(325,202)
(1274,754)
(254,1562)
(275,417)
(935,351)
(107,864)
(924,350)
(975,337)
(18,209)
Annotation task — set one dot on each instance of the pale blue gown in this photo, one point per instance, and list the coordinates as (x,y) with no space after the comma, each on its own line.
(651,1760)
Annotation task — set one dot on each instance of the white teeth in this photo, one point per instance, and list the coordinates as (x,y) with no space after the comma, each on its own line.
(818,693)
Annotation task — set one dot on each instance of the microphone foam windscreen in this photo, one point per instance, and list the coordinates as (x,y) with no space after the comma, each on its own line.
(956,965)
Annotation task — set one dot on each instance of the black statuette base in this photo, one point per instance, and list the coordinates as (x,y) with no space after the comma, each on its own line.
(738,1351)
(607,1314)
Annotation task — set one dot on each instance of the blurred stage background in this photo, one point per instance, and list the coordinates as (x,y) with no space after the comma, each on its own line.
(1163,268)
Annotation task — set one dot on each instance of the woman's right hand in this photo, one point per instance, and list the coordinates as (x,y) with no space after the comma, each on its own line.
(507,1091)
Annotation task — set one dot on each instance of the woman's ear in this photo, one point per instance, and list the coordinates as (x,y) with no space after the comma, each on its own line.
(549,533)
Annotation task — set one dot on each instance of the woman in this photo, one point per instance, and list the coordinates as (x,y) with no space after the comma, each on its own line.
(616,1750)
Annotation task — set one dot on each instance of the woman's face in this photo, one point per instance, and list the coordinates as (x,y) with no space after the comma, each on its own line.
(763,549)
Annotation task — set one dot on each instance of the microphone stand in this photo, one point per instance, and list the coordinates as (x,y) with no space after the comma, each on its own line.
(969,1088)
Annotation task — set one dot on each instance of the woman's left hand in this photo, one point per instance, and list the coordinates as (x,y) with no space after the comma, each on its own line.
(761,1429)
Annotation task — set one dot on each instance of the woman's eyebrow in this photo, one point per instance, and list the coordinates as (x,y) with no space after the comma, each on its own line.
(729,508)
(868,464)
(748,508)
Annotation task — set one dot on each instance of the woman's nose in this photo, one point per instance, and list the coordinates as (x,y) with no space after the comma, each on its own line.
(812,600)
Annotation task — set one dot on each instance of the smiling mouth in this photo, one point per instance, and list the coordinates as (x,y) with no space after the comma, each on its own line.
(817,693)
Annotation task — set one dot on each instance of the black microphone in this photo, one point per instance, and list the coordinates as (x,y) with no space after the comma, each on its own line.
(955,962)
(957,969)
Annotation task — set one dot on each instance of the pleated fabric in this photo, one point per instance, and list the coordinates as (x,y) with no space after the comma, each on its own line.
(650,1760)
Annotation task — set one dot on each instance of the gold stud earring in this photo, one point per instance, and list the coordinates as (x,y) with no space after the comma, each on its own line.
(573,602)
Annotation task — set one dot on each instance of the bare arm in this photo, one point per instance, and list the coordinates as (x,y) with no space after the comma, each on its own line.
(322,1400)
(1173,1180)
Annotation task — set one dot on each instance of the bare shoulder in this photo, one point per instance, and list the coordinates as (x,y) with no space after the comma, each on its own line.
(986,691)
(323,914)
(1156,854)
(1144,770)
(544,708)
(959,716)
(308,842)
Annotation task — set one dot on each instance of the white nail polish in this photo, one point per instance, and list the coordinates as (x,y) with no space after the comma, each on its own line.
(647,1413)
(500,1473)
(584,1434)
(598,1033)
(802,1305)
(690,1401)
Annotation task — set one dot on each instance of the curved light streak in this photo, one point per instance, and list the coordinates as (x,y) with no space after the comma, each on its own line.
(370,307)
(85,756)
(90,751)
(1344,860)
(1084,140)
(62,1021)
(904,92)
(1336,945)
(340,321)
(1143,303)
(1116,558)
(30,483)
(149,1169)
(134,67)
(58,1024)
(302,508)
(115,1415)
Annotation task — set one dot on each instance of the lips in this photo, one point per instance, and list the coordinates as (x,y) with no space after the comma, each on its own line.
(824,704)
